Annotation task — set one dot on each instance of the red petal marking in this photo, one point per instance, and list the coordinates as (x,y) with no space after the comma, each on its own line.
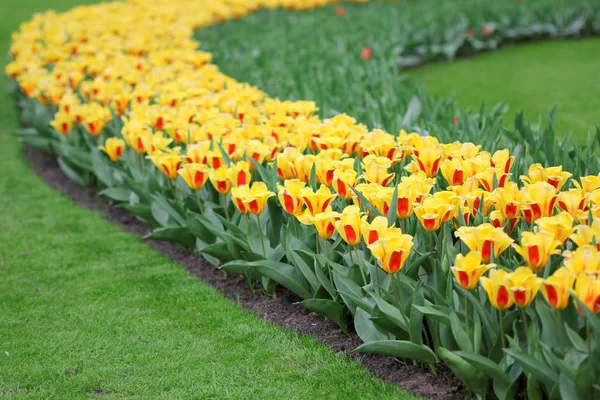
(435,167)
(429,223)
(458,177)
(329,230)
(421,165)
(537,210)
(510,211)
(533,254)
(198,179)
(395,261)
(520,297)
(552,295)
(350,234)
(326,204)
(254,206)
(166,169)
(119,151)
(486,251)
(502,297)
(551,205)
(241,206)
(373,236)
(328,177)
(222,186)
(288,203)
(140,144)
(216,162)
(403,207)
(65,127)
(159,123)
(528,215)
(310,206)
(241,178)
(553,182)
(463,279)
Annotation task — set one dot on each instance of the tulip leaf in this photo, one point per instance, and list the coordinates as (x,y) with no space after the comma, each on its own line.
(219,232)
(366,329)
(474,379)
(199,230)
(392,312)
(534,391)
(590,317)
(586,377)
(170,209)
(330,309)
(179,234)
(437,315)
(226,157)
(576,340)
(567,388)
(416,316)
(487,366)
(141,211)
(79,177)
(116,193)
(241,267)
(312,182)
(220,251)
(459,333)
(400,349)
(304,268)
(391,215)
(284,274)
(535,367)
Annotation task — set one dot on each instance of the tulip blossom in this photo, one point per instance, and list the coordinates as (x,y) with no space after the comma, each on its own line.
(365,54)
(376,170)
(392,251)
(536,248)
(316,202)
(432,213)
(195,175)
(251,199)
(324,222)
(113,147)
(585,234)
(468,269)
(524,285)
(168,163)
(428,161)
(454,171)
(349,225)
(556,288)
(288,196)
(240,173)
(221,179)
(555,176)
(539,201)
(484,238)
(585,259)
(375,230)
(497,287)
(588,183)
(343,181)
(587,290)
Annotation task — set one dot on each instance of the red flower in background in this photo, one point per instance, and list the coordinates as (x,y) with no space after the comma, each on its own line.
(455,121)
(470,32)
(486,31)
(366,53)
(340,11)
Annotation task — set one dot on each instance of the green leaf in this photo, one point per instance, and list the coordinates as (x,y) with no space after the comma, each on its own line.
(366,329)
(391,312)
(438,315)
(459,333)
(416,316)
(576,340)
(284,274)
(399,349)
(365,203)
(220,251)
(199,230)
(80,178)
(586,377)
(487,366)
(474,379)
(117,193)
(312,183)
(330,309)
(180,234)
(391,216)
(535,367)
(567,388)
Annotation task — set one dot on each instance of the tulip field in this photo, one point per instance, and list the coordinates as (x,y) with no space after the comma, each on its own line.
(451,239)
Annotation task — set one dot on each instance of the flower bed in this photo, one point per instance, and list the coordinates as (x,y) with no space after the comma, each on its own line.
(394,231)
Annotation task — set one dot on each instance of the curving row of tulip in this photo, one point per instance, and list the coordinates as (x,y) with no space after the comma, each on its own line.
(436,252)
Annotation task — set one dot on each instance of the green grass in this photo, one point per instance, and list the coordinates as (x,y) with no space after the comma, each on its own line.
(532,77)
(86,309)
(323,64)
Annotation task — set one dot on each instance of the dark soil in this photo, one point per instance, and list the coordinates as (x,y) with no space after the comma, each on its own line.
(280,309)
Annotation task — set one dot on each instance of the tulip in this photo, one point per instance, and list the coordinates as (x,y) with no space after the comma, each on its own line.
(62,123)
(316,202)
(194,174)
(497,289)
(585,259)
(349,225)
(392,251)
(376,170)
(486,178)
(323,222)
(289,196)
(588,183)
(503,160)
(169,163)
(433,213)
(560,225)
(240,173)
(468,269)
(159,142)
(572,201)
(556,288)
(407,197)
(221,180)
(113,147)
(428,161)
(251,199)
(375,230)
(343,181)
(555,176)
(483,239)
(454,172)
(507,200)
(536,248)
(587,290)
(587,234)
(365,54)
(524,285)
(539,201)
(197,152)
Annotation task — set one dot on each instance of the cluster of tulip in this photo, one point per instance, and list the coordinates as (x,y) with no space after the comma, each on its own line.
(372,188)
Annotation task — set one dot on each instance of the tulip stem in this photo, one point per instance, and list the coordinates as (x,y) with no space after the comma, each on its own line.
(296,226)
(525,324)
(467,316)
(199,203)
(262,240)
(396,296)
(588,334)
(224,205)
(362,272)
(317,243)
(377,280)
(560,333)
(500,322)
(329,269)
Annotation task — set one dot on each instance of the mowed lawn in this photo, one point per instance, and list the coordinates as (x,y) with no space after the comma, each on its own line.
(531,77)
(87,310)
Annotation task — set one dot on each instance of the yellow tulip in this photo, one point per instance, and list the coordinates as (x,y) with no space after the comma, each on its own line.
(539,201)
(407,197)
(288,196)
(536,248)
(503,160)
(317,202)
(587,290)
(428,160)
(468,269)
(240,173)
(585,259)
(507,200)
(349,225)
(62,122)
(392,251)
(432,213)
(113,147)
(588,183)
(195,175)
(572,201)
(524,285)
(251,199)
(375,170)
(375,230)
(324,222)
(169,163)
(560,225)
(343,181)
(497,287)
(221,180)
(454,171)
(556,288)
(484,238)
(555,176)
(586,234)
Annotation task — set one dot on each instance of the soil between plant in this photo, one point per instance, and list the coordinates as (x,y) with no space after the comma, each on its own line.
(279,309)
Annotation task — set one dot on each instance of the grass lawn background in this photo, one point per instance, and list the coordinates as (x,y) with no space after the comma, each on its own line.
(88,310)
